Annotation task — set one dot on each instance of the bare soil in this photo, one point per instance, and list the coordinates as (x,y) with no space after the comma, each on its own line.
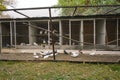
(62,57)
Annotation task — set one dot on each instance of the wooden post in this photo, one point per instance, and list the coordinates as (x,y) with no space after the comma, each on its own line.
(52,33)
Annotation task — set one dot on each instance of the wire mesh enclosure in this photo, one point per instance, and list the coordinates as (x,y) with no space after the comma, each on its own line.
(66,28)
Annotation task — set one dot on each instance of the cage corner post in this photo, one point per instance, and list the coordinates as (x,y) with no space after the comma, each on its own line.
(52,34)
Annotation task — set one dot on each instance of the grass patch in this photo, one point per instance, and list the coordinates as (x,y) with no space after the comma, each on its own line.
(115,67)
(10,70)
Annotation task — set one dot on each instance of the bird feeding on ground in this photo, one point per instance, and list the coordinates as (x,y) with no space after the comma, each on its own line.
(35,55)
(35,44)
(51,55)
(65,52)
(74,54)
(47,54)
(92,53)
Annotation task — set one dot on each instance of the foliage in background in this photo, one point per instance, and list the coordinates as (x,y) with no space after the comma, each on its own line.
(2,6)
(85,11)
(4,3)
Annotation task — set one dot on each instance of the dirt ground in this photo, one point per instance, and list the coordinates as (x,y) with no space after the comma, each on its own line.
(27,54)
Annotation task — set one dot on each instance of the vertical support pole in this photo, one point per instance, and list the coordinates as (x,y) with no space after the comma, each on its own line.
(52,33)
(117,32)
(81,34)
(11,34)
(60,34)
(69,32)
(106,36)
(49,33)
(94,34)
(0,38)
(29,28)
(104,31)
(30,33)
(15,33)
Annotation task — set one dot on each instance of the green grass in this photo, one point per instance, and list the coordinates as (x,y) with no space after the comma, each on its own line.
(10,70)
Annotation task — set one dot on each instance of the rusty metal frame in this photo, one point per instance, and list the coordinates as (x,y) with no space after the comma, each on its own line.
(60,7)
(55,7)
(50,16)
(52,33)
(21,13)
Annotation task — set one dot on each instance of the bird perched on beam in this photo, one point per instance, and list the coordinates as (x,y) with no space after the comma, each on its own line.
(41,32)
